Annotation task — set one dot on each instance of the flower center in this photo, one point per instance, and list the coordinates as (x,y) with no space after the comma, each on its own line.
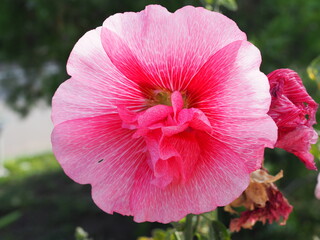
(163,97)
(171,133)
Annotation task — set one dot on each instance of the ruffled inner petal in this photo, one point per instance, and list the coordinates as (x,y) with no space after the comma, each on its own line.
(220,176)
(171,136)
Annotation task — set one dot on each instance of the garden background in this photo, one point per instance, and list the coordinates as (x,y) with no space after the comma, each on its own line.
(38,202)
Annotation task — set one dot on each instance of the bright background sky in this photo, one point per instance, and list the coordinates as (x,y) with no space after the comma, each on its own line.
(24,136)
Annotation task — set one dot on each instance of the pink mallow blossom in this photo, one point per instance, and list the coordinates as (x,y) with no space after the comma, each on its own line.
(294,112)
(165,114)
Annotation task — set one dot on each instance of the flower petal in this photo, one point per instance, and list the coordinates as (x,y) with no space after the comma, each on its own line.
(88,148)
(164,49)
(98,151)
(287,87)
(298,142)
(117,180)
(96,88)
(89,63)
(218,178)
(234,95)
(75,100)
(294,112)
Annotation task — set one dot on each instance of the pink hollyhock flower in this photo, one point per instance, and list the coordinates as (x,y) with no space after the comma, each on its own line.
(165,114)
(294,112)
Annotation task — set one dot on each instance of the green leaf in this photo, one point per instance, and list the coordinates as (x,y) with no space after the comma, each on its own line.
(176,236)
(209,1)
(179,226)
(212,216)
(9,218)
(81,234)
(229,4)
(159,234)
(218,231)
(201,237)
(313,71)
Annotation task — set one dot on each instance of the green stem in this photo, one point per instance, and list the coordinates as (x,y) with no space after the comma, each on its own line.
(176,235)
(196,224)
(188,232)
(216,6)
(215,214)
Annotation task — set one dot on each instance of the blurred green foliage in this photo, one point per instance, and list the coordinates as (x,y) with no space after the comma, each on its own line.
(38,35)
(80,234)
(313,71)
(40,202)
(286,32)
(215,5)
(30,166)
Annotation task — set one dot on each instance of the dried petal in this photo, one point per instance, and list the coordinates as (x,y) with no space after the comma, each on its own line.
(277,209)
(257,193)
(262,176)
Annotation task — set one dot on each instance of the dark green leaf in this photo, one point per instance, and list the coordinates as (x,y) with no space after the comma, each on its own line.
(201,237)
(218,231)
(229,4)
(9,218)
(212,216)
(159,234)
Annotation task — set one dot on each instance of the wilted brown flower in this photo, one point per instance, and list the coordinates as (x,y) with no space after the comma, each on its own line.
(263,202)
